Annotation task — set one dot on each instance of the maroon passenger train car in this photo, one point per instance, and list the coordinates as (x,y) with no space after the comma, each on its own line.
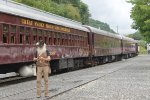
(22,26)
(71,44)
(129,47)
(106,47)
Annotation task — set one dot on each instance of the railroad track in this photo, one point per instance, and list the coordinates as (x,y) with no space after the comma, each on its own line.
(14,80)
(7,79)
(4,82)
(18,79)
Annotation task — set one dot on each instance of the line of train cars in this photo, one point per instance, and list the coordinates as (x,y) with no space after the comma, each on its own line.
(71,44)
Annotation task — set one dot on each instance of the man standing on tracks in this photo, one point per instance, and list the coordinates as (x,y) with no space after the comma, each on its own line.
(42,58)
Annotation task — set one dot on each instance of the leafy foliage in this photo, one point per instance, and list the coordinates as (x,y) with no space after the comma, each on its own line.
(100,25)
(85,16)
(72,9)
(136,36)
(143,48)
(141,15)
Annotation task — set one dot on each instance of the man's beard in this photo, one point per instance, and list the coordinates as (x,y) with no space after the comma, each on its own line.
(41,50)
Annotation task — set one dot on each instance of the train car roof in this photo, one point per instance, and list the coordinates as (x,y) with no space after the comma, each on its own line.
(129,39)
(105,33)
(14,8)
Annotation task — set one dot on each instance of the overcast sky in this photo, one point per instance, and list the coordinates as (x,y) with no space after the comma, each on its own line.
(113,12)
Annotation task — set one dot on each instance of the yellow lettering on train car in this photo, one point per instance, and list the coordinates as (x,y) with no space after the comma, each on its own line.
(44,25)
(65,29)
(39,24)
(49,26)
(23,21)
(26,22)
(57,28)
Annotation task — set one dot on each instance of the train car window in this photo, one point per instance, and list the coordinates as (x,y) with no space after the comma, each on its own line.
(55,36)
(44,32)
(39,33)
(83,39)
(21,34)
(86,39)
(58,38)
(34,35)
(12,34)
(45,40)
(80,39)
(103,41)
(5,28)
(13,29)
(116,43)
(62,39)
(72,40)
(107,43)
(83,44)
(21,30)
(69,40)
(27,36)
(75,40)
(112,42)
(49,37)
(5,33)
(65,39)
(12,38)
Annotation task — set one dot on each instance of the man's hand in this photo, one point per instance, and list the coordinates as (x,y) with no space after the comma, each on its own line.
(35,59)
(41,59)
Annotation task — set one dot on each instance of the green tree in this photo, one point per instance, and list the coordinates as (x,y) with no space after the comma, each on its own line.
(72,9)
(100,25)
(136,36)
(72,12)
(75,3)
(141,15)
(84,12)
